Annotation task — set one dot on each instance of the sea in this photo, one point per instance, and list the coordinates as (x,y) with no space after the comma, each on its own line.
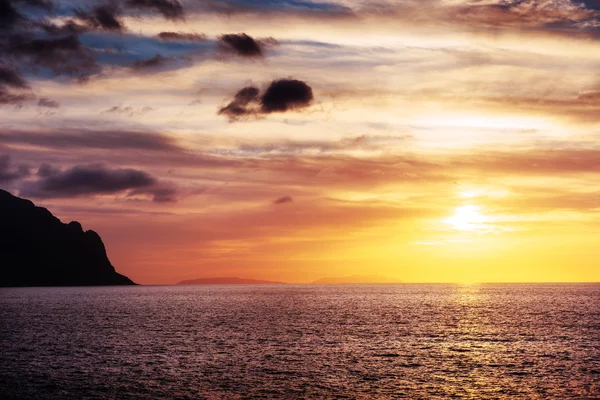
(388,341)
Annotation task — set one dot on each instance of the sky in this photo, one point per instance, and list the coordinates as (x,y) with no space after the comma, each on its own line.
(291,140)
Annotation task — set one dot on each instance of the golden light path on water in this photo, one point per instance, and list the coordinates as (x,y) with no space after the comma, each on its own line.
(380,341)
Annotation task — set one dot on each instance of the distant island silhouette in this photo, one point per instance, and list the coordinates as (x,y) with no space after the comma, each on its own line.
(37,249)
(227,281)
(356,279)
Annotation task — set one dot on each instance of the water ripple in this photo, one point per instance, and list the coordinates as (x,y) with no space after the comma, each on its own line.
(307,341)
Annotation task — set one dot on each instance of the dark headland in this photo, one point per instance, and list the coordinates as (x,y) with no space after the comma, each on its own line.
(37,249)
(227,281)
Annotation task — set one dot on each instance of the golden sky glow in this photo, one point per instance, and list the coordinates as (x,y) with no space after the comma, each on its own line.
(448,141)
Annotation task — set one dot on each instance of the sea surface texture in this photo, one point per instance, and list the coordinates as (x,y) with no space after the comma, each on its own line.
(495,341)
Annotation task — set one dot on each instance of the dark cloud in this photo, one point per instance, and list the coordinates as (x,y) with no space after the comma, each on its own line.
(246,95)
(283,200)
(46,102)
(8,173)
(105,17)
(127,110)
(160,193)
(13,79)
(238,107)
(10,77)
(96,179)
(46,170)
(63,56)
(84,180)
(151,63)
(282,95)
(170,9)
(181,36)
(591,4)
(240,44)
(84,138)
(286,94)
(118,110)
(15,99)
(43,4)
(9,16)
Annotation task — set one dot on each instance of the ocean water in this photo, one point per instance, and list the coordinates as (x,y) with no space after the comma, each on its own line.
(495,341)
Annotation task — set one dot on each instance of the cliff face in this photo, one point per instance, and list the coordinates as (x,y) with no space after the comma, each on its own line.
(36,249)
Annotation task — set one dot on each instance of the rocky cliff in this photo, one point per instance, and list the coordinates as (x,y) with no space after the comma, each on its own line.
(37,249)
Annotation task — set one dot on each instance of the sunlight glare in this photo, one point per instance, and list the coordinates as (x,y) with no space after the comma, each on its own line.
(466,218)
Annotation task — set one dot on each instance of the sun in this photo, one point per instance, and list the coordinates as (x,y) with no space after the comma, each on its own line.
(466,218)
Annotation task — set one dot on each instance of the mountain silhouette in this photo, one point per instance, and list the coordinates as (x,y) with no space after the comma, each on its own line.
(37,249)
(226,281)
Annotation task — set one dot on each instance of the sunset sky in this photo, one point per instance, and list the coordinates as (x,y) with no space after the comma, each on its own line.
(425,140)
